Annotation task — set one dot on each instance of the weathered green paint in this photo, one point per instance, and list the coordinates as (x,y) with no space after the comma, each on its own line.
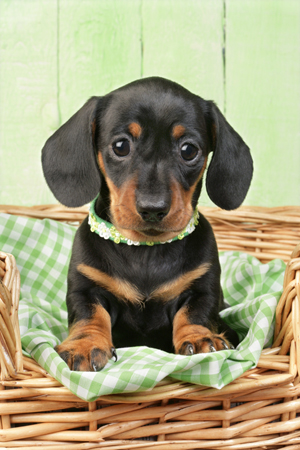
(55,54)
(263,93)
(182,41)
(99,49)
(28,96)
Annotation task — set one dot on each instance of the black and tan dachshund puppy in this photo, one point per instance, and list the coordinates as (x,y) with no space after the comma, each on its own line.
(144,268)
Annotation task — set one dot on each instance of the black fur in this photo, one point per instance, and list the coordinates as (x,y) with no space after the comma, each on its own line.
(70,163)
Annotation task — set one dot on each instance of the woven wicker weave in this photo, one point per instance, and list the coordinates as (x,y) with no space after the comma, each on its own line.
(258,410)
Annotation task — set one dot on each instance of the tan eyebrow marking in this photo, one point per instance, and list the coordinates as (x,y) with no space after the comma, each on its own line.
(120,288)
(178,131)
(135,129)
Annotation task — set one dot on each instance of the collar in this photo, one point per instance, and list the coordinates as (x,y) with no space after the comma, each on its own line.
(107,230)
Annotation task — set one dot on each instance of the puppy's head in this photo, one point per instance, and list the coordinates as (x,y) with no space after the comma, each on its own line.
(148,143)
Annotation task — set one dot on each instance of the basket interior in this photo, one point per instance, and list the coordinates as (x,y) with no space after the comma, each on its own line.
(259,408)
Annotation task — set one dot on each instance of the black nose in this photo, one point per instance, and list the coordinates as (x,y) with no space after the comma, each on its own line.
(153,211)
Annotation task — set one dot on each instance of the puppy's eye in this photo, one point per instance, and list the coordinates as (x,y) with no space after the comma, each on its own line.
(121,148)
(189,152)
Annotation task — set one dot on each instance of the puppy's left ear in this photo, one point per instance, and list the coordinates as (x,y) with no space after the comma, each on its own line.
(230,171)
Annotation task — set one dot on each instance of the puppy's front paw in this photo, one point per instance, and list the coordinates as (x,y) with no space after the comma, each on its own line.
(189,338)
(86,353)
(89,346)
(203,344)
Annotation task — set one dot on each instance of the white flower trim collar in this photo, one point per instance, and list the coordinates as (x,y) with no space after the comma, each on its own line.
(106,230)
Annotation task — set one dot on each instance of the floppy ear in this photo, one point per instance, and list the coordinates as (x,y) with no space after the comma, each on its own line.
(69,159)
(230,171)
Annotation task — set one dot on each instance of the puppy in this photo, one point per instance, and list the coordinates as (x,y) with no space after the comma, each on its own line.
(144,268)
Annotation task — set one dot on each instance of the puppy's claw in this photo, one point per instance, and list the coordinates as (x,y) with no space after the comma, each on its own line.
(114,354)
(210,343)
(226,344)
(189,349)
(96,368)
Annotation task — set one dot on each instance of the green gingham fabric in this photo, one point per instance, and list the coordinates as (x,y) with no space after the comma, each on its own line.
(42,251)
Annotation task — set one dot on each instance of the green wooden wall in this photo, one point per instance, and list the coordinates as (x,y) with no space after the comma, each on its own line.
(244,54)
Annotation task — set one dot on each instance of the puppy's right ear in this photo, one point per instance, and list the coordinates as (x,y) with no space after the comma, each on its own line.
(69,158)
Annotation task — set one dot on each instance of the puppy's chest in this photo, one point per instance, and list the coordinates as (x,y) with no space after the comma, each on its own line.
(138,274)
(159,273)
(149,273)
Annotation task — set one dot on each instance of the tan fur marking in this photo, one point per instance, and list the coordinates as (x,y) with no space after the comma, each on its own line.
(142,237)
(128,292)
(101,164)
(120,288)
(173,289)
(203,169)
(114,194)
(183,198)
(200,337)
(184,331)
(122,206)
(86,336)
(178,131)
(99,323)
(129,223)
(122,200)
(135,130)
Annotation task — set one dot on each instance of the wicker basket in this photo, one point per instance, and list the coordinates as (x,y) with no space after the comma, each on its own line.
(258,410)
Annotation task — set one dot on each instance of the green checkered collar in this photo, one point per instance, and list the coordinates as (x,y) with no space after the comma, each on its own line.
(107,230)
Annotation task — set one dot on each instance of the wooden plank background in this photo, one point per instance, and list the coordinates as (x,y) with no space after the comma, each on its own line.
(245,55)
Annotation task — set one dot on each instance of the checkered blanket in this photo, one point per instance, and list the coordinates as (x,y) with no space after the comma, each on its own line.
(42,251)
